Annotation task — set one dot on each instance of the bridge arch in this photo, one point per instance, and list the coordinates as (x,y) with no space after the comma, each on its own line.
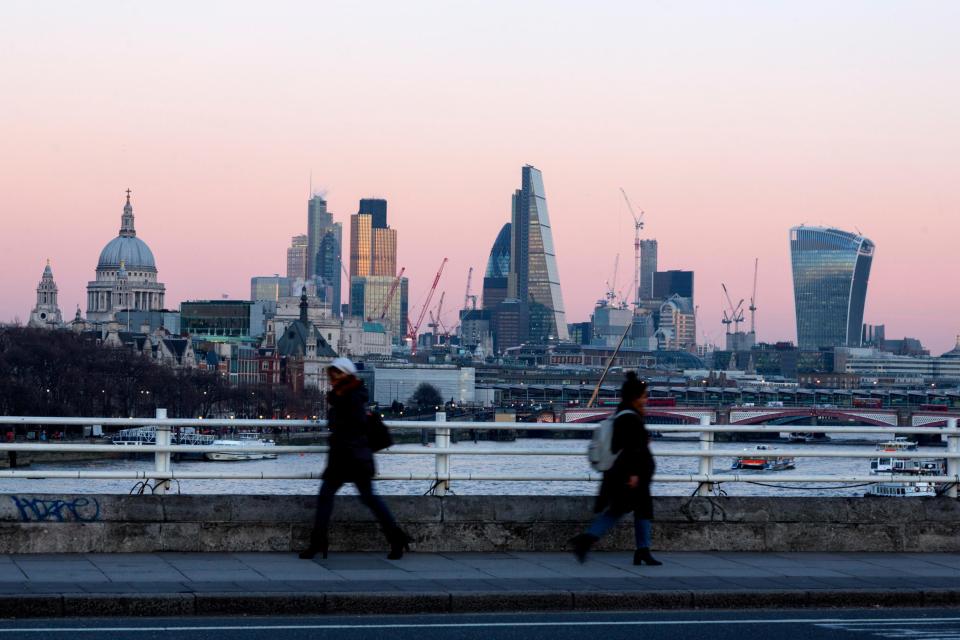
(812,412)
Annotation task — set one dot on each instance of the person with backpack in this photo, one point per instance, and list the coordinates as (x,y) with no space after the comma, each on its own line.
(350,459)
(621,450)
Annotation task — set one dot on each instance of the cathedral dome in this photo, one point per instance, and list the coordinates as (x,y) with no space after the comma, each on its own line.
(127,248)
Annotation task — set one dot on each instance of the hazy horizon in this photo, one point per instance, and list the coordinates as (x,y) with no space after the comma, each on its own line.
(728,123)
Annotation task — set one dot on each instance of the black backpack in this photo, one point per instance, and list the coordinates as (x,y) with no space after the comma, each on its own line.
(378,436)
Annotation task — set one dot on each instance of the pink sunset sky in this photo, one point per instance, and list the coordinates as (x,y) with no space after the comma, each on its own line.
(727,122)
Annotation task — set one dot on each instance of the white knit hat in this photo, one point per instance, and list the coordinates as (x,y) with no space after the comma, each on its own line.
(344,365)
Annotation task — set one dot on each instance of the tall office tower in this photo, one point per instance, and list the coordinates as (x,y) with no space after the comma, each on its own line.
(373,250)
(648,267)
(297,258)
(373,268)
(830,272)
(498,270)
(324,251)
(327,274)
(319,221)
(668,283)
(377,209)
(534,278)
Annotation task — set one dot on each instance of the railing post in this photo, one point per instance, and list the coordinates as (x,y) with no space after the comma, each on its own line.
(953,464)
(706,462)
(442,441)
(162,459)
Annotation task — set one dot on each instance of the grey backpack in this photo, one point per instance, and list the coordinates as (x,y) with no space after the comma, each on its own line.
(600,451)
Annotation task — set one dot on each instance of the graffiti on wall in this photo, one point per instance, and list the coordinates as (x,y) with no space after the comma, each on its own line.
(80,509)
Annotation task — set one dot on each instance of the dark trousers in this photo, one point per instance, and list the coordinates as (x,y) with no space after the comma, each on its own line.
(328,491)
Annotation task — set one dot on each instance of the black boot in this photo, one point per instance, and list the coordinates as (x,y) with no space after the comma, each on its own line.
(641,556)
(581,545)
(317,545)
(399,542)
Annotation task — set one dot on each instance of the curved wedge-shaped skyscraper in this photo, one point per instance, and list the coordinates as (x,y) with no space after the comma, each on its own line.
(830,272)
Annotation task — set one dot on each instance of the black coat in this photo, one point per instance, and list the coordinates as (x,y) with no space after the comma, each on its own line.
(630,438)
(350,456)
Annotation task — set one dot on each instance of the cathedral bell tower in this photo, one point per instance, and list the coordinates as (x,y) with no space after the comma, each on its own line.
(46,314)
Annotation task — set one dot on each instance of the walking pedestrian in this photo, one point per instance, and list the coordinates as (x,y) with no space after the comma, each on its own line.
(350,459)
(626,485)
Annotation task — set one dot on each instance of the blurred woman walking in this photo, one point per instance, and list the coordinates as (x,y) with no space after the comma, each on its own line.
(350,459)
(626,485)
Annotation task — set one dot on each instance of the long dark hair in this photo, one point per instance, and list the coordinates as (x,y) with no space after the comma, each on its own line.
(633,388)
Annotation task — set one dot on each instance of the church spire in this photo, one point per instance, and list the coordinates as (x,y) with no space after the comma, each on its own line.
(126,220)
(304,306)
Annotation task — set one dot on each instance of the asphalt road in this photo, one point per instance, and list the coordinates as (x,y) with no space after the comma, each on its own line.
(915,624)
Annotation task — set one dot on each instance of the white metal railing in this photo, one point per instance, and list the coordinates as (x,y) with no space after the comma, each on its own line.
(443,450)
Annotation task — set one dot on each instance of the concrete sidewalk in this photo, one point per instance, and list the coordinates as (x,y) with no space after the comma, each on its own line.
(185,584)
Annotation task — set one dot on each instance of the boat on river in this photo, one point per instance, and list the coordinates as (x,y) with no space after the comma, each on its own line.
(902,490)
(900,443)
(763,458)
(230,446)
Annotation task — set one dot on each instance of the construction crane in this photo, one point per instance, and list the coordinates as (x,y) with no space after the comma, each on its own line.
(612,283)
(736,312)
(466,296)
(753,299)
(391,293)
(415,328)
(637,226)
(435,322)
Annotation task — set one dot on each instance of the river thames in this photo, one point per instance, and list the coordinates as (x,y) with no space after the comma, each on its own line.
(544,466)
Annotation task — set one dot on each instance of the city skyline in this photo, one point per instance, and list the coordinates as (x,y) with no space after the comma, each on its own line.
(764,133)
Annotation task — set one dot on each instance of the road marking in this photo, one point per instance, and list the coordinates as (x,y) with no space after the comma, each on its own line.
(825,622)
(900,629)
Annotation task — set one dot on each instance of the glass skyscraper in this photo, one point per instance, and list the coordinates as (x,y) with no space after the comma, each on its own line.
(830,272)
(534,278)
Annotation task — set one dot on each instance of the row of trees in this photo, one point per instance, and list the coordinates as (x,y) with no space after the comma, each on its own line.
(60,373)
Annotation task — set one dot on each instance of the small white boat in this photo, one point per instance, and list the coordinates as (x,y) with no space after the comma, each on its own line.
(761,458)
(797,436)
(900,443)
(230,454)
(912,466)
(902,490)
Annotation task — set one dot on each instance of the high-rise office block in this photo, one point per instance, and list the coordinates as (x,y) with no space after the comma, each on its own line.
(324,251)
(297,258)
(376,208)
(648,267)
(498,270)
(327,274)
(269,288)
(534,278)
(830,272)
(373,268)
(368,296)
(319,221)
(668,283)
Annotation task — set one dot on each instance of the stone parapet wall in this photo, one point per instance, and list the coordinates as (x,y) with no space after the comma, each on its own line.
(39,523)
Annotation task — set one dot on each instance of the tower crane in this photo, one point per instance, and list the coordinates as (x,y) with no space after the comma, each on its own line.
(637,226)
(612,283)
(466,296)
(736,312)
(753,299)
(415,328)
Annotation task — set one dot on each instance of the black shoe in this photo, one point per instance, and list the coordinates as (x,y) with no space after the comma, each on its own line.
(399,542)
(642,556)
(315,548)
(581,545)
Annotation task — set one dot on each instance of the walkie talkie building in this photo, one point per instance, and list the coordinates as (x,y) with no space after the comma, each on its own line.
(830,272)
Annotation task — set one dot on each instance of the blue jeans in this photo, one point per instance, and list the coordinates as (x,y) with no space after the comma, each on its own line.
(642,528)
